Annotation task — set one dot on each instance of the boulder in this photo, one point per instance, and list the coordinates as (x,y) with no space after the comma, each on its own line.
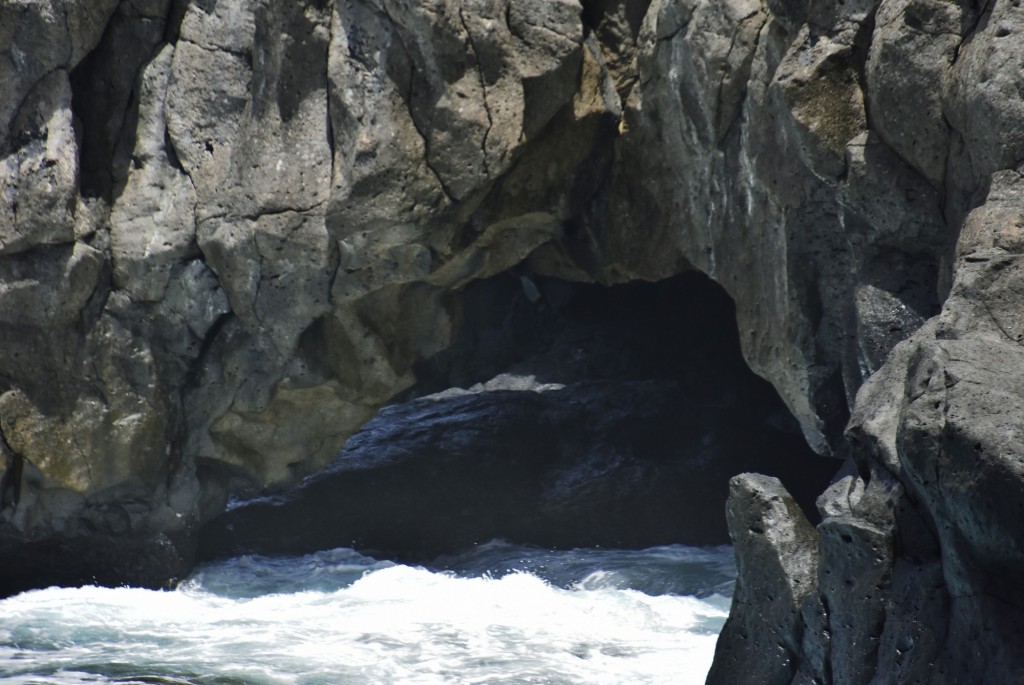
(777,565)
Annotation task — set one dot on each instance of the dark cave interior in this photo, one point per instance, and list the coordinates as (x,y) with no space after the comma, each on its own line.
(563,415)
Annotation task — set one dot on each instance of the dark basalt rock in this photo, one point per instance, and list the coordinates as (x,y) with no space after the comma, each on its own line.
(920,554)
(114,538)
(155,560)
(616,464)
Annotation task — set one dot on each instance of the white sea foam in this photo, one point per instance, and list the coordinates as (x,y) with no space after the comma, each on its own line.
(339,618)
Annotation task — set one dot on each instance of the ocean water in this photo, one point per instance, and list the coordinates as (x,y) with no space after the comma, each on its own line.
(497,614)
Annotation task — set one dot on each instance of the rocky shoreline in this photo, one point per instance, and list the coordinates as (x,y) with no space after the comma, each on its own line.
(231,231)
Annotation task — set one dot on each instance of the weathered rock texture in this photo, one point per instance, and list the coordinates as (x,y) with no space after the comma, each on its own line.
(231,230)
(777,562)
(919,551)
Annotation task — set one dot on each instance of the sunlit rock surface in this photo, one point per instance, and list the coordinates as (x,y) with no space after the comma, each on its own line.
(231,231)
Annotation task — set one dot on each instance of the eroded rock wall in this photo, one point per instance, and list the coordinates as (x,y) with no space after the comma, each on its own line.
(227,232)
(230,230)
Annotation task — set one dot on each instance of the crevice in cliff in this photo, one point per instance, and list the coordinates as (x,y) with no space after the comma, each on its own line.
(426,149)
(262,212)
(175,15)
(408,97)
(104,100)
(244,55)
(984,11)
(93,114)
(97,300)
(861,49)
(193,375)
(329,129)
(615,26)
(729,114)
(173,159)
(595,13)
(1017,340)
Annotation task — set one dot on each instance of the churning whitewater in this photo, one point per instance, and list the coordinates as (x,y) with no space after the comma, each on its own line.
(499,614)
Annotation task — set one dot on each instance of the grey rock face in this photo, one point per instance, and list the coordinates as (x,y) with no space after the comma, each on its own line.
(199,198)
(915,42)
(789,180)
(40,177)
(230,232)
(919,556)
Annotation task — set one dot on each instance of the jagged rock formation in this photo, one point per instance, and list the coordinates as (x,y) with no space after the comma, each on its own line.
(231,230)
(777,559)
(920,552)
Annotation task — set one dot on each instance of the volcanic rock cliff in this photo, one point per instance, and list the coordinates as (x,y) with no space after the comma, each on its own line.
(231,230)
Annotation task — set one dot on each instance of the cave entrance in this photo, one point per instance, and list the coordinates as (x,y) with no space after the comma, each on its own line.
(562,415)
